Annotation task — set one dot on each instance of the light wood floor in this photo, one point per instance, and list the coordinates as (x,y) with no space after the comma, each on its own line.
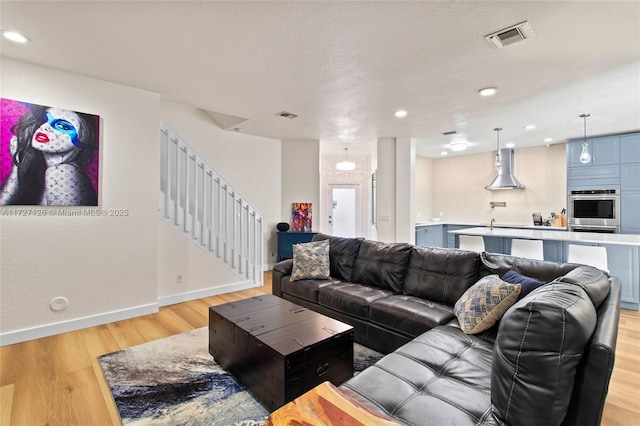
(57,380)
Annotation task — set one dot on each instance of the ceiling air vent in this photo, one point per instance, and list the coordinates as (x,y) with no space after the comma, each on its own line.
(511,35)
(287,114)
(451,132)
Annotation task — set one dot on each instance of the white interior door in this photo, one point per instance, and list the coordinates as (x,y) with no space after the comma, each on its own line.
(343,218)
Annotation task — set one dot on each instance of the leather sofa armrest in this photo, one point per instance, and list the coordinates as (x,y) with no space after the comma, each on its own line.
(281,269)
(596,367)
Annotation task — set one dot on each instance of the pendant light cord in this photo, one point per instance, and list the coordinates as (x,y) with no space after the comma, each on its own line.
(498,159)
(585,125)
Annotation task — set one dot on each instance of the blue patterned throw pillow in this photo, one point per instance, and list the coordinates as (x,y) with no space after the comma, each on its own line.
(484,303)
(311,261)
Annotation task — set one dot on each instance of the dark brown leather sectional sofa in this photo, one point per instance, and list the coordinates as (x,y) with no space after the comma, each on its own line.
(548,361)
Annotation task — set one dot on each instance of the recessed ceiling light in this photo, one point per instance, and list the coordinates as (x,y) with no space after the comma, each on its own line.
(548,139)
(14,36)
(458,145)
(444,153)
(400,113)
(530,127)
(510,145)
(488,91)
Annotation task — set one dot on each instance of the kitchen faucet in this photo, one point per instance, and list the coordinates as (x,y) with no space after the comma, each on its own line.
(491,224)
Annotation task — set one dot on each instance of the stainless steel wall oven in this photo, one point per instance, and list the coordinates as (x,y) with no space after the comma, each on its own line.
(594,210)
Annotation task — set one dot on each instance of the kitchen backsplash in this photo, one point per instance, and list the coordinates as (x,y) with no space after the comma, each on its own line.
(457,191)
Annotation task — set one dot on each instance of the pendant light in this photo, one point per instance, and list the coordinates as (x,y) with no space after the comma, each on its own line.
(498,159)
(346,165)
(585,156)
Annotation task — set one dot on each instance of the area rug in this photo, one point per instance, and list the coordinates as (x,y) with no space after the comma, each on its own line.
(175,381)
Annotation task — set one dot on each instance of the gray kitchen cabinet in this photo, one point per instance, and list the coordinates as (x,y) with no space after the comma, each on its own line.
(421,235)
(619,259)
(623,262)
(435,237)
(604,151)
(594,177)
(630,148)
(630,212)
(429,236)
(603,171)
(495,245)
(552,250)
(452,240)
(630,184)
(630,177)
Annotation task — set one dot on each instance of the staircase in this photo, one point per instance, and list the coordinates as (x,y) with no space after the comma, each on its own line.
(203,206)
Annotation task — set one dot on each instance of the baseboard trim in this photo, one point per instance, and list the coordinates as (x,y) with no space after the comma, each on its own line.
(207,292)
(19,336)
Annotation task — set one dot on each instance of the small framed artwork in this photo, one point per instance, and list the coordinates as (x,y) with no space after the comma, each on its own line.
(48,155)
(301,217)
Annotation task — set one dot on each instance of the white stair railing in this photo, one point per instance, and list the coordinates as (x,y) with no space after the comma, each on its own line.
(196,200)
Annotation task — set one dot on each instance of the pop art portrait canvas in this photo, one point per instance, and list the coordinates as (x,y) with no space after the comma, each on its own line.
(301,217)
(49,156)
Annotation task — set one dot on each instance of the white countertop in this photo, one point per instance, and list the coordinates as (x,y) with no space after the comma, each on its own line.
(496,225)
(540,234)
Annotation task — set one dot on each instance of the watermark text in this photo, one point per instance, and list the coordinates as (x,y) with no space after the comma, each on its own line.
(62,211)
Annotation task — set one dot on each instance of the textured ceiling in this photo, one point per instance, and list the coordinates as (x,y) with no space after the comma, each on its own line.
(345,67)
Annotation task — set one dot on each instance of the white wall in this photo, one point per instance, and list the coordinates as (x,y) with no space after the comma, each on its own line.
(300,178)
(458,186)
(111,268)
(405,190)
(386,190)
(251,164)
(105,266)
(424,189)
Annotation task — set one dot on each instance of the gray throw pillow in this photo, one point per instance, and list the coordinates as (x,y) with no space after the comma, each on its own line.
(484,303)
(311,261)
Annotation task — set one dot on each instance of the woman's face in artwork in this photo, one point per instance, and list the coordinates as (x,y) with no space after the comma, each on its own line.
(59,133)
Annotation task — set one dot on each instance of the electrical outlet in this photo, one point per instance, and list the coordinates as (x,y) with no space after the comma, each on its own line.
(179,279)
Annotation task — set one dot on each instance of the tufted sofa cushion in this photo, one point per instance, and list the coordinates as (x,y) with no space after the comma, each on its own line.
(440,275)
(350,298)
(304,289)
(441,377)
(342,254)
(382,265)
(409,314)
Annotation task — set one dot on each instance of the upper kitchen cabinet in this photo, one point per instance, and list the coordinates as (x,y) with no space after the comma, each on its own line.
(603,171)
(630,184)
(630,148)
(603,151)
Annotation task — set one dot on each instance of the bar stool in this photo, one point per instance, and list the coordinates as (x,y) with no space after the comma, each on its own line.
(595,256)
(530,249)
(472,243)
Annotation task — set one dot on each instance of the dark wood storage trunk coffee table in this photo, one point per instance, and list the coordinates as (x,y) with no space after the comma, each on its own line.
(277,349)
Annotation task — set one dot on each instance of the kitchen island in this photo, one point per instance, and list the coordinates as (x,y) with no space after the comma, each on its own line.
(623,251)
(437,233)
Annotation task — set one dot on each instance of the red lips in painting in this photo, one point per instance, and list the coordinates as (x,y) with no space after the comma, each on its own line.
(42,137)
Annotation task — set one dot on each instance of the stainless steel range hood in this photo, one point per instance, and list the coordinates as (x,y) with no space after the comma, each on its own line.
(505,178)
